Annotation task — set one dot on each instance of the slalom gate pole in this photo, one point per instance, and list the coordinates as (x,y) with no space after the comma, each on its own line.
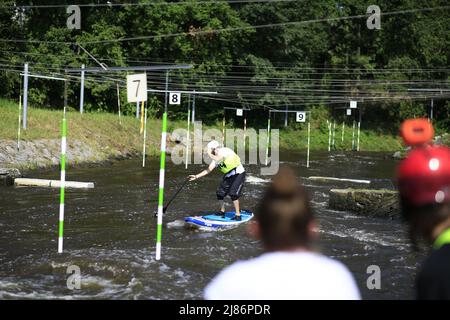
(162,174)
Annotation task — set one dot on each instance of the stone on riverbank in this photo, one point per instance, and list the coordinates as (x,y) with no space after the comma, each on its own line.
(379,203)
(7,175)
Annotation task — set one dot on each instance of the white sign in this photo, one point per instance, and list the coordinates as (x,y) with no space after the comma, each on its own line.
(349,112)
(174,98)
(239,112)
(137,87)
(353,104)
(301,116)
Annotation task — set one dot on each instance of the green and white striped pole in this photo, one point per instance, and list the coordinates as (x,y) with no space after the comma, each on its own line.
(162,173)
(145,138)
(63,181)
(268,139)
(63,173)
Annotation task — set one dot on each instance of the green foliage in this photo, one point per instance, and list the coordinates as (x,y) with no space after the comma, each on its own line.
(303,63)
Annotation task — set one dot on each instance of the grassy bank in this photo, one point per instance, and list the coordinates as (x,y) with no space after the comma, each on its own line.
(103,132)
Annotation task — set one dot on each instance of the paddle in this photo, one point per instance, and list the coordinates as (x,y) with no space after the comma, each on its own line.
(173,197)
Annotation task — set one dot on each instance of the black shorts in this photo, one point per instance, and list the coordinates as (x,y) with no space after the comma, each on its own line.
(231,186)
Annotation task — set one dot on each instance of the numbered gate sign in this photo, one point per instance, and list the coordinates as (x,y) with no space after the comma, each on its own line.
(353,104)
(137,87)
(349,112)
(301,116)
(239,112)
(174,98)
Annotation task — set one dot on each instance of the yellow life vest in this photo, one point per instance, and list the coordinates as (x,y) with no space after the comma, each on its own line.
(229,163)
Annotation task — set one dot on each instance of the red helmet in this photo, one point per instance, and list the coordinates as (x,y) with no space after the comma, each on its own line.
(424,176)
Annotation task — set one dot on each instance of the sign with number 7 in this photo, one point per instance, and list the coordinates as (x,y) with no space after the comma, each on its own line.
(137,87)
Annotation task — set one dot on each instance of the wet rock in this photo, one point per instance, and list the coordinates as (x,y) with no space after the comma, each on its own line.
(7,175)
(379,203)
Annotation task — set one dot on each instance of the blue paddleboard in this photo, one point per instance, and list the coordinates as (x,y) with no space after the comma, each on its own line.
(216,222)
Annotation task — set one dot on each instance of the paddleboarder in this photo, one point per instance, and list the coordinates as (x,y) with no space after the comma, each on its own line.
(229,163)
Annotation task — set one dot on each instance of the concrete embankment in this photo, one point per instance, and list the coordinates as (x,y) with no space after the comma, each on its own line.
(45,153)
(378,203)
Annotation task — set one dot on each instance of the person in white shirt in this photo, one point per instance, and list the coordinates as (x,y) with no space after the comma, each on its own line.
(233,180)
(289,269)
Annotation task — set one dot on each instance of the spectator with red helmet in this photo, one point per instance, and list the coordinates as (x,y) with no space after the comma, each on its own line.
(424,186)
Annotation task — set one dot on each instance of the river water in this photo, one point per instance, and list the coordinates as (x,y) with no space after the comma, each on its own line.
(110,232)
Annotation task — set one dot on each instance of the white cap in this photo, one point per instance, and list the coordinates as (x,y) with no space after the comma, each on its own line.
(213,145)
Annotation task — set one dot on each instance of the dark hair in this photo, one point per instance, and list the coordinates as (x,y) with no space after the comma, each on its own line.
(284,213)
(423,219)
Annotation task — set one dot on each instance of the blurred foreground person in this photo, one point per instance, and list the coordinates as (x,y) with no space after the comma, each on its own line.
(289,269)
(424,185)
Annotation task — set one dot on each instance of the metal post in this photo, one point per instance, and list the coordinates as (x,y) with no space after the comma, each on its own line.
(286,116)
(431,109)
(334,134)
(25,95)
(359,128)
(268,140)
(82,90)
(193,108)
(18,128)
(118,102)
(145,139)
(223,128)
(137,110)
(353,135)
(309,139)
(245,127)
(329,136)
(188,136)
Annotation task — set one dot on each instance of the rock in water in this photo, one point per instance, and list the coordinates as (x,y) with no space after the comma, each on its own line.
(379,203)
(7,175)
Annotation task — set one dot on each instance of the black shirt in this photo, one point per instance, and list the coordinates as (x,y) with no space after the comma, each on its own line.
(433,281)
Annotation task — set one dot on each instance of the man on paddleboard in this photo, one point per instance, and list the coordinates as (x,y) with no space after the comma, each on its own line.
(233,180)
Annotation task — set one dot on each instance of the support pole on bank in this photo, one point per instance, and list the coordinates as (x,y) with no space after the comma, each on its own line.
(25,96)
(162,173)
(309,139)
(82,90)
(329,136)
(193,108)
(245,127)
(353,136)
(359,129)
(188,136)
(118,102)
(223,128)
(20,120)
(334,135)
(268,140)
(145,138)
(137,110)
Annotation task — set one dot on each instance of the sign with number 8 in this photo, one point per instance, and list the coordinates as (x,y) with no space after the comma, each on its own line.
(175,98)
